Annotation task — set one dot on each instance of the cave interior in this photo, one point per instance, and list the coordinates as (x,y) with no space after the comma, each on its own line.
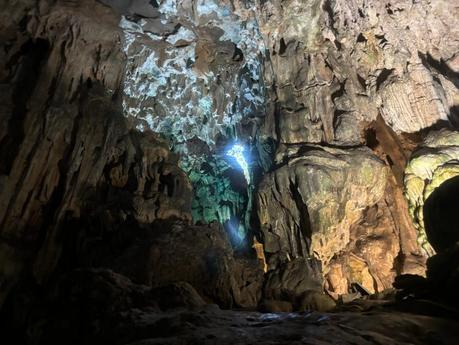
(229,172)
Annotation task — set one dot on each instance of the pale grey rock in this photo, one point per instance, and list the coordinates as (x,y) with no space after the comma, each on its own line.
(359,58)
(198,80)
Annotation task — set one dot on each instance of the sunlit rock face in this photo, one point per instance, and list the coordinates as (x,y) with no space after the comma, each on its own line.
(433,163)
(333,68)
(310,207)
(193,74)
(334,65)
(215,77)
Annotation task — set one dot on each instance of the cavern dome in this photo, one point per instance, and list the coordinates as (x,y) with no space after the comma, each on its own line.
(227,172)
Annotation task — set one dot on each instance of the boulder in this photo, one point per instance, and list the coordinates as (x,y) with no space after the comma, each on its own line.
(248,278)
(276,306)
(297,282)
(180,294)
(167,252)
(97,306)
(315,300)
(307,206)
(291,279)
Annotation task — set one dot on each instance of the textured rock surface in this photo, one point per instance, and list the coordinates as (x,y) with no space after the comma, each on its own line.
(292,279)
(371,258)
(318,92)
(333,64)
(294,72)
(194,71)
(307,206)
(193,74)
(100,307)
(67,147)
(75,170)
(298,283)
(169,252)
(348,207)
(433,163)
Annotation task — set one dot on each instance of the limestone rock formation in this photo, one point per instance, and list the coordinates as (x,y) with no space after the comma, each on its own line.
(106,301)
(66,149)
(432,164)
(296,285)
(333,68)
(100,307)
(133,127)
(193,74)
(307,206)
(167,252)
(334,64)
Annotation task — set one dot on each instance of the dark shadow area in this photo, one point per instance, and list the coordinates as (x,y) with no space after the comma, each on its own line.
(453,115)
(441,216)
(305,223)
(441,67)
(28,63)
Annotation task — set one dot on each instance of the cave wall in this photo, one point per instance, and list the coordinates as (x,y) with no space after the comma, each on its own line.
(343,74)
(432,164)
(123,111)
(333,65)
(193,74)
(66,146)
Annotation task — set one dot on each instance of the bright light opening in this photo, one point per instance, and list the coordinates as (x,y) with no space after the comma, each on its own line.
(237,152)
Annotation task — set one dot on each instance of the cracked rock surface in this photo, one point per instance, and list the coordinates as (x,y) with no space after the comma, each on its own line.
(120,202)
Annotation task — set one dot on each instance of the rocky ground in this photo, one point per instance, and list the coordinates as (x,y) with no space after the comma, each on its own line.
(102,307)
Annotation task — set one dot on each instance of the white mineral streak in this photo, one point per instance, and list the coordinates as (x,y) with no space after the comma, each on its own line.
(237,151)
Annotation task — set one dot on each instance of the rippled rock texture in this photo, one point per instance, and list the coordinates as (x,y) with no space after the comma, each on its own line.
(67,151)
(434,164)
(193,74)
(307,206)
(120,119)
(344,74)
(337,63)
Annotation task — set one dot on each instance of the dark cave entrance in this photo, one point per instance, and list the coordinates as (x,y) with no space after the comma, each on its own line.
(441,215)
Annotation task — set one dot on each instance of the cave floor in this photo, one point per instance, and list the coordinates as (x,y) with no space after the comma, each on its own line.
(214,326)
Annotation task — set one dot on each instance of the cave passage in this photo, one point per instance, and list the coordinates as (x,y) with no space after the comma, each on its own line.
(225,172)
(441,215)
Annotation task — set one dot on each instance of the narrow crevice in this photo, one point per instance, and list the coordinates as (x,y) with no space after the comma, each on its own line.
(34,54)
(382,77)
(305,224)
(441,67)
